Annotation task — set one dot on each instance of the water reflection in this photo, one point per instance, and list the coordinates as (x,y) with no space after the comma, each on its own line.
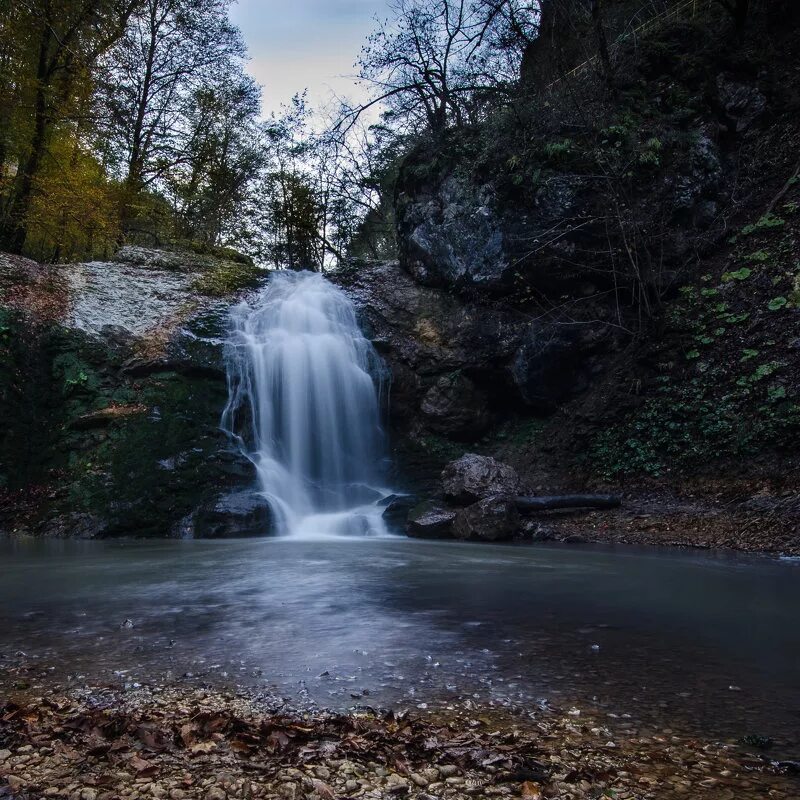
(699,639)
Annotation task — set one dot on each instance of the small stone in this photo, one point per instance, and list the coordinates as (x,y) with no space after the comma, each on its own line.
(215,793)
(419,780)
(448,770)
(4,754)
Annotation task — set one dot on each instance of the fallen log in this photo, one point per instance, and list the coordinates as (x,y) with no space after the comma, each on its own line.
(528,505)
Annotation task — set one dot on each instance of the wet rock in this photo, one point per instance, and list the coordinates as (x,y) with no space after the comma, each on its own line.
(537,532)
(454,406)
(106,416)
(236,514)
(473,477)
(397,509)
(741,103)
(78,525)
(430,520)
(455,361)
(492,519)
(426,333)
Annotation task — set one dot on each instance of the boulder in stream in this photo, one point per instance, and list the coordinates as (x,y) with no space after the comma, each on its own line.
(236,514)
(492,519)
(431,520)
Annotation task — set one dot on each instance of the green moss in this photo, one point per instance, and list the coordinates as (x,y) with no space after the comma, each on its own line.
(227,277)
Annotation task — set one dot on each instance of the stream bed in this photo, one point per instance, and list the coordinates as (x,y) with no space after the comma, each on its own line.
(696,641)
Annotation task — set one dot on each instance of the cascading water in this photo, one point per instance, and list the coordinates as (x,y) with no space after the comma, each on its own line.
(303,405)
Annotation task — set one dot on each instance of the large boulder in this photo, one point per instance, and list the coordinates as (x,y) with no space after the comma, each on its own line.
(233,515)
(473,477)
(431,520)
(492,519)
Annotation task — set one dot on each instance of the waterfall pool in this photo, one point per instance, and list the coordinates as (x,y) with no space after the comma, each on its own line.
(705,641)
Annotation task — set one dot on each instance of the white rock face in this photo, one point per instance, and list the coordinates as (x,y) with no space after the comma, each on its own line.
(125,295)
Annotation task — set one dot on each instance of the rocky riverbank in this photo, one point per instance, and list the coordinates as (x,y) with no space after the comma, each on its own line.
(150,742)
(481,499)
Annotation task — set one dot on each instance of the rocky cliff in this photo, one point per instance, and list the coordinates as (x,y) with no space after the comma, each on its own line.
(112,384)
(601,286)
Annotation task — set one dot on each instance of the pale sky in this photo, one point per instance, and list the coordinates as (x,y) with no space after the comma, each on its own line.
(299,44)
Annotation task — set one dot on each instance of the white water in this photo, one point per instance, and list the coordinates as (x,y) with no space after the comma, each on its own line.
(303,404)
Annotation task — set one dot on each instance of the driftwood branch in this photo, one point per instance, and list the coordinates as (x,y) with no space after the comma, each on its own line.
(528,505)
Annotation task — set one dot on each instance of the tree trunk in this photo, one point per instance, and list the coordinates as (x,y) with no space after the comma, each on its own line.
(531,505)
(602,43)
(17,225)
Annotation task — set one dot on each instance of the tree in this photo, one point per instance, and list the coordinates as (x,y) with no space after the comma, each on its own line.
(222,156)
(357,171)
(152,76)
(65,39)
(434,61)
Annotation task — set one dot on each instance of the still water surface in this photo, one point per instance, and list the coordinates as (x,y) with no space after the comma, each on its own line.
(706,642)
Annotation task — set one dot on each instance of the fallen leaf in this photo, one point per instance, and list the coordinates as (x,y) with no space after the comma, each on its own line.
(531,791)
(323,790)
(203,747)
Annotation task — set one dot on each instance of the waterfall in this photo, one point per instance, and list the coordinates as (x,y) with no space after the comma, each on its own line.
(303,405)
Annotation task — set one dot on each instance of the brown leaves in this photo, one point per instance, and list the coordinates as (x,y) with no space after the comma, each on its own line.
(190,739)
(144,769)
(154,738)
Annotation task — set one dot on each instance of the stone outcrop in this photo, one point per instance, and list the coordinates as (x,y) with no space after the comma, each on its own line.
(235,514)
(477,502)
(456,407)
(454,362)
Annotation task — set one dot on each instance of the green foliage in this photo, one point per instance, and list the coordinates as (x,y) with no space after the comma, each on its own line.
(75,375)
(687,426)
(766,222)
(741,274)
(557,152)
(650,154)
